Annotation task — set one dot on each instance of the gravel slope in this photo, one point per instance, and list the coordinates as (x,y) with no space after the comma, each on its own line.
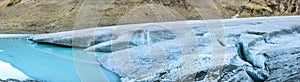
(44,16)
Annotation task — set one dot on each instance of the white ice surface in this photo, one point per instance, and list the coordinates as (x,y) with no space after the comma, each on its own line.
(7,71)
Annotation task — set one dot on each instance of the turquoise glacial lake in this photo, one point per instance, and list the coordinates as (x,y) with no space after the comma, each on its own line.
(52,63)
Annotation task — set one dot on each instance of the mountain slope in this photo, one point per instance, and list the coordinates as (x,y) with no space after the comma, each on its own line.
(44,16)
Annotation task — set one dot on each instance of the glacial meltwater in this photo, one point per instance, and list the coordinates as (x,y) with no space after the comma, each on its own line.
(21,58)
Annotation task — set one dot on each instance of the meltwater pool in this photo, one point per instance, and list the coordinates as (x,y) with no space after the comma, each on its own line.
(51,63)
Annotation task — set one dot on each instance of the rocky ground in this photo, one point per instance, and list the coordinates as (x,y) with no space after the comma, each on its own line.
(44,16)
(255,49)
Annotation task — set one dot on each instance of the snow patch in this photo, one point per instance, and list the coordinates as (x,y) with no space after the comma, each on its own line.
(7,71)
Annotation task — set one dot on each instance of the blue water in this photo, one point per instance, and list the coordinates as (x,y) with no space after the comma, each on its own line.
(52,63)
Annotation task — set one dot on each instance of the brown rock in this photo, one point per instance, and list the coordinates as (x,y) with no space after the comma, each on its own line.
(7,3)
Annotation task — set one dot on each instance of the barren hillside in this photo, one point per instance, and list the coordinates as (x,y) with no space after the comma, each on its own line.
(43,16)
